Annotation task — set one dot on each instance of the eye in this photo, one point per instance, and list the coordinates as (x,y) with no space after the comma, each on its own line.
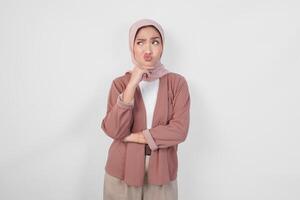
(138,43)
(156,41)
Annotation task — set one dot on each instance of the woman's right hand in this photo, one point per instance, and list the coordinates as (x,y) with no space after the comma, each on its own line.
(137,74)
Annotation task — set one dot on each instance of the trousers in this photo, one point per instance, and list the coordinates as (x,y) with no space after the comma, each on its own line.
(116,189)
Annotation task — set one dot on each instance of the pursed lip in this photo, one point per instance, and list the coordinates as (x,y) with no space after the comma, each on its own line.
(147,57)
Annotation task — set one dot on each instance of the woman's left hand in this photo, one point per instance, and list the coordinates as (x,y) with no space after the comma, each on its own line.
(137,137)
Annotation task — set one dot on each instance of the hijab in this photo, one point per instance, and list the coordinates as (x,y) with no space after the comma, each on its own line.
(159,69)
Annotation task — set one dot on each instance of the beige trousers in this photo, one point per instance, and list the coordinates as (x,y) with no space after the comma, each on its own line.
(116,189)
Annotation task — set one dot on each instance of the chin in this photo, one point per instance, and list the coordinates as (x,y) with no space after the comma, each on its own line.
(149,64)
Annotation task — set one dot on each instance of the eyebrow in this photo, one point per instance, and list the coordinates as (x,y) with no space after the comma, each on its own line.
(145,39)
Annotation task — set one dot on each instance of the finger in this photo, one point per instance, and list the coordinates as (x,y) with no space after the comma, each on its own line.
(148,74)
(146,71)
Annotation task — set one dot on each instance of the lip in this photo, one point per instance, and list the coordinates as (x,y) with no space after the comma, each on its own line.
(147,57)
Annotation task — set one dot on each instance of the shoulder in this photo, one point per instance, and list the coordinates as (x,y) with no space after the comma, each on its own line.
(176,80)
(121,81)
(176,76)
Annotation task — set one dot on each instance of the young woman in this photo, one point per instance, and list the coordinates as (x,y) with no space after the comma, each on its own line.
(148,114)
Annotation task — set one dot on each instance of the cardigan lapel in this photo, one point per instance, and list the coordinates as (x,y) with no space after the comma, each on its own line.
(160,108)
(160,113)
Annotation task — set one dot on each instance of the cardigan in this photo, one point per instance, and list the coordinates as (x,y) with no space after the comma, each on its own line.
(170,125)
(149,91)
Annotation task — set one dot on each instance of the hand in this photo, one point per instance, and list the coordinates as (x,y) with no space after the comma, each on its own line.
(137,73)
(136,77)
(137,137)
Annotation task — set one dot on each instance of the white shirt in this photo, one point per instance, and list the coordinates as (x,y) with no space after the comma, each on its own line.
(149,90)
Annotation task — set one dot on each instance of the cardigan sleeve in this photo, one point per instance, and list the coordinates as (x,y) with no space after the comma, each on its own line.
(118,119)
(163,136)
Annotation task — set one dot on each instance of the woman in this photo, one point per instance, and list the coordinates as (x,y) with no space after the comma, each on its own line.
(148,113)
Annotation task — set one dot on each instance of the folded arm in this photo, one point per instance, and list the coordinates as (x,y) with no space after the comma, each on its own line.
(163,136)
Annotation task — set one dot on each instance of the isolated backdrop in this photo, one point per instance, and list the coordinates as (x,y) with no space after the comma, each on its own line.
(241,60)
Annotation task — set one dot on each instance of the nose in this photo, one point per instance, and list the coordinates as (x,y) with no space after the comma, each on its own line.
(148,49)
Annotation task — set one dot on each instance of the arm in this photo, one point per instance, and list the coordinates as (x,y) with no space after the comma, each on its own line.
(118,119)
(163,136)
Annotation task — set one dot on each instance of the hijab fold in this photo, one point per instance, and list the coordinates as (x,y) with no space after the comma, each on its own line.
(159,69)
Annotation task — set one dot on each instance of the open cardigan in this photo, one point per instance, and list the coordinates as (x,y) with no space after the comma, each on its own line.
(170,125)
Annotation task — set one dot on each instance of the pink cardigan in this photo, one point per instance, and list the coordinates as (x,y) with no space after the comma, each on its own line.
(126,160)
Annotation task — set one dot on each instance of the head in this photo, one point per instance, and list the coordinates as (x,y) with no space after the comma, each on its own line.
(146,42)
(147,46)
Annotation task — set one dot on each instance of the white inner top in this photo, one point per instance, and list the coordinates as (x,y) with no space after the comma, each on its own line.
(149,90)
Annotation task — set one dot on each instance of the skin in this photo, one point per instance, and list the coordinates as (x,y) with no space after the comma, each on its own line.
(148,41)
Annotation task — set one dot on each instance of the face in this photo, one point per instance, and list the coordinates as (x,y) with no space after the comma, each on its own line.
(147,46)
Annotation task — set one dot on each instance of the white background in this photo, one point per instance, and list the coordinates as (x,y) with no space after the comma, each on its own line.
(241,60)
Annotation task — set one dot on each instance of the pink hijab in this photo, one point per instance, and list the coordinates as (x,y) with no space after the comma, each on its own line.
(159,69)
